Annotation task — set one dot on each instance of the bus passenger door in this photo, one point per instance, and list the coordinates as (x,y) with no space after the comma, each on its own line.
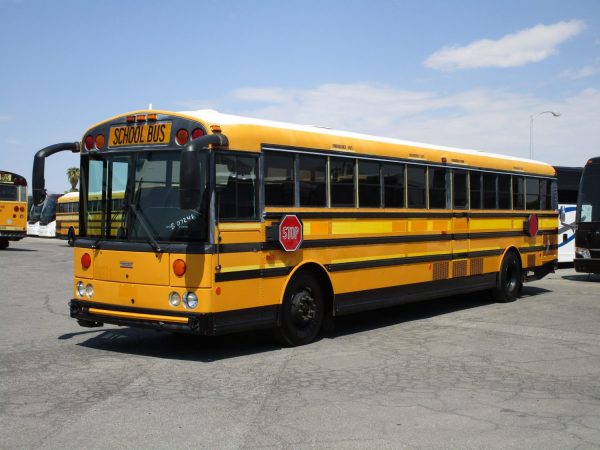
(460,223)
(238,232)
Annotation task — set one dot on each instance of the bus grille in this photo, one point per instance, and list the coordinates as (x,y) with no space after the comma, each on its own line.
(459,268)
(477,266)
(440,271)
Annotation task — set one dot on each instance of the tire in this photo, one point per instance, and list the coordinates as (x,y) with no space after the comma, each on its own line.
(509,281)
(71,237)
(301,312)
(3,244)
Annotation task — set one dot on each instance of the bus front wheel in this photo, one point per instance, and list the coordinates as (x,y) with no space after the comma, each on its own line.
(509,281)
(3,243)
(301,313)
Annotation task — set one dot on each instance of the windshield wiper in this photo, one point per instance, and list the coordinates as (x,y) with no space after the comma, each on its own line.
(151,240)
(140,216)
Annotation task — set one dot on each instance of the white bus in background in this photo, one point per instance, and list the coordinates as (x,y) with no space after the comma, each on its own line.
(33,218)
(42,218)
(568,185)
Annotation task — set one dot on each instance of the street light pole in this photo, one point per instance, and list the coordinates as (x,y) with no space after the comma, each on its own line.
(531,119)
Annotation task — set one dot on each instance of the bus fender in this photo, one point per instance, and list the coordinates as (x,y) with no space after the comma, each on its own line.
(510,249)
(318,271)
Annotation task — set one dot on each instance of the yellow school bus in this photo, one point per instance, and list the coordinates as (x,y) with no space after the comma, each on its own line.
(13,208)
(67,217)
(207,223)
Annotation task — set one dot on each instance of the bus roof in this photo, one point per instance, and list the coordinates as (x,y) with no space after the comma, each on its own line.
(368,144)
(12,178)
(245,133)
(68,197)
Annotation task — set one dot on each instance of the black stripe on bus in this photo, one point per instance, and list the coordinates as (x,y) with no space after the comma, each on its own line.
(341,242)
(400,215)
(250,274)
(246,247)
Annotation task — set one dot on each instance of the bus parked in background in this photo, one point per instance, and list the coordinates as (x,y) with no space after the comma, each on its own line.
(13,208)
(47,226)
(67,217)
(42,217)
(587,235)
(206,223)
(33,220)
(568,184)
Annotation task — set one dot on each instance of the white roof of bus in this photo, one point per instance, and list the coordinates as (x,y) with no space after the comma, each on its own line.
(216,117)
(69,195)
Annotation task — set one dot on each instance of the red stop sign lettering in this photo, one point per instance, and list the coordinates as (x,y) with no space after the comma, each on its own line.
(290,233)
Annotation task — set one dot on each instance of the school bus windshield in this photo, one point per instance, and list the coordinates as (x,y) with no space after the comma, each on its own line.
(9,193)
(135,197)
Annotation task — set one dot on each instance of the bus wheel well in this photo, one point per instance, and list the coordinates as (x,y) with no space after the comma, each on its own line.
(516,252)
(320,274)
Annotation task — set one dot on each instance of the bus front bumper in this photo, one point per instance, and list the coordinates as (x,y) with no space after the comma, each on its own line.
(12,235)
(90,314)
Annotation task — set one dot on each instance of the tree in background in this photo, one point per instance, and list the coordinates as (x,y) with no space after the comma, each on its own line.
(73,177)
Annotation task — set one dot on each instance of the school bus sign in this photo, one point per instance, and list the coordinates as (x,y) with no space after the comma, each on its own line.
(290,233)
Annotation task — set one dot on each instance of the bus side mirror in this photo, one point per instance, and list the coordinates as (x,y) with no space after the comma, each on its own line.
(189,180)
(190,177)
(38,183)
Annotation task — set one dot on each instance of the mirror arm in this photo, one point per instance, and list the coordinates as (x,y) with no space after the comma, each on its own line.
(38,183)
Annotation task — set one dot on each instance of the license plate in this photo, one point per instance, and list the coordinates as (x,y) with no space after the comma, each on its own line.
(147,134)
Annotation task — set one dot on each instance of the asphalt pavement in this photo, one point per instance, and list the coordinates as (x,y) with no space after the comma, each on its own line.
(459,372)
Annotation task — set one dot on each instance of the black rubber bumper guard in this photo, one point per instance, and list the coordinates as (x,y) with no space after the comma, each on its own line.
(200,324)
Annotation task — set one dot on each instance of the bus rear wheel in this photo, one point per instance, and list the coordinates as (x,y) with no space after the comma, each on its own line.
(71,237)
(509,281)
(3,243)
(301,312)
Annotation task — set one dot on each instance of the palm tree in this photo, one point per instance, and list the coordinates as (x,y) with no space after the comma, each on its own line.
(73,177)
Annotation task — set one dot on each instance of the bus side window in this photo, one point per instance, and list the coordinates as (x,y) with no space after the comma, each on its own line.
(417,182)
(393,185)
(489,191)
(312,182)
(342,181)
(279,179)
(475,190)
(518,190)
(236,186)
(369,184)
(460,190)
(437,188)
(544,194)
(532,193)
(504,200)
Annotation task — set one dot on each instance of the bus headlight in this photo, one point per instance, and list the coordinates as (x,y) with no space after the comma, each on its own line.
(89,290)
(584,252)
(190,300)
(81,289)
(174,299)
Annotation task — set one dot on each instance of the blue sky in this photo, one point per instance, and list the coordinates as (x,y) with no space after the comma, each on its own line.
(465,73)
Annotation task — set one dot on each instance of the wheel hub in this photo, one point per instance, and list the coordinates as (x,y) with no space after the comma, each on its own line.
(303,307)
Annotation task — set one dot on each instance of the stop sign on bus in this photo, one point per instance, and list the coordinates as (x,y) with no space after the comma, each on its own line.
(290,233)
